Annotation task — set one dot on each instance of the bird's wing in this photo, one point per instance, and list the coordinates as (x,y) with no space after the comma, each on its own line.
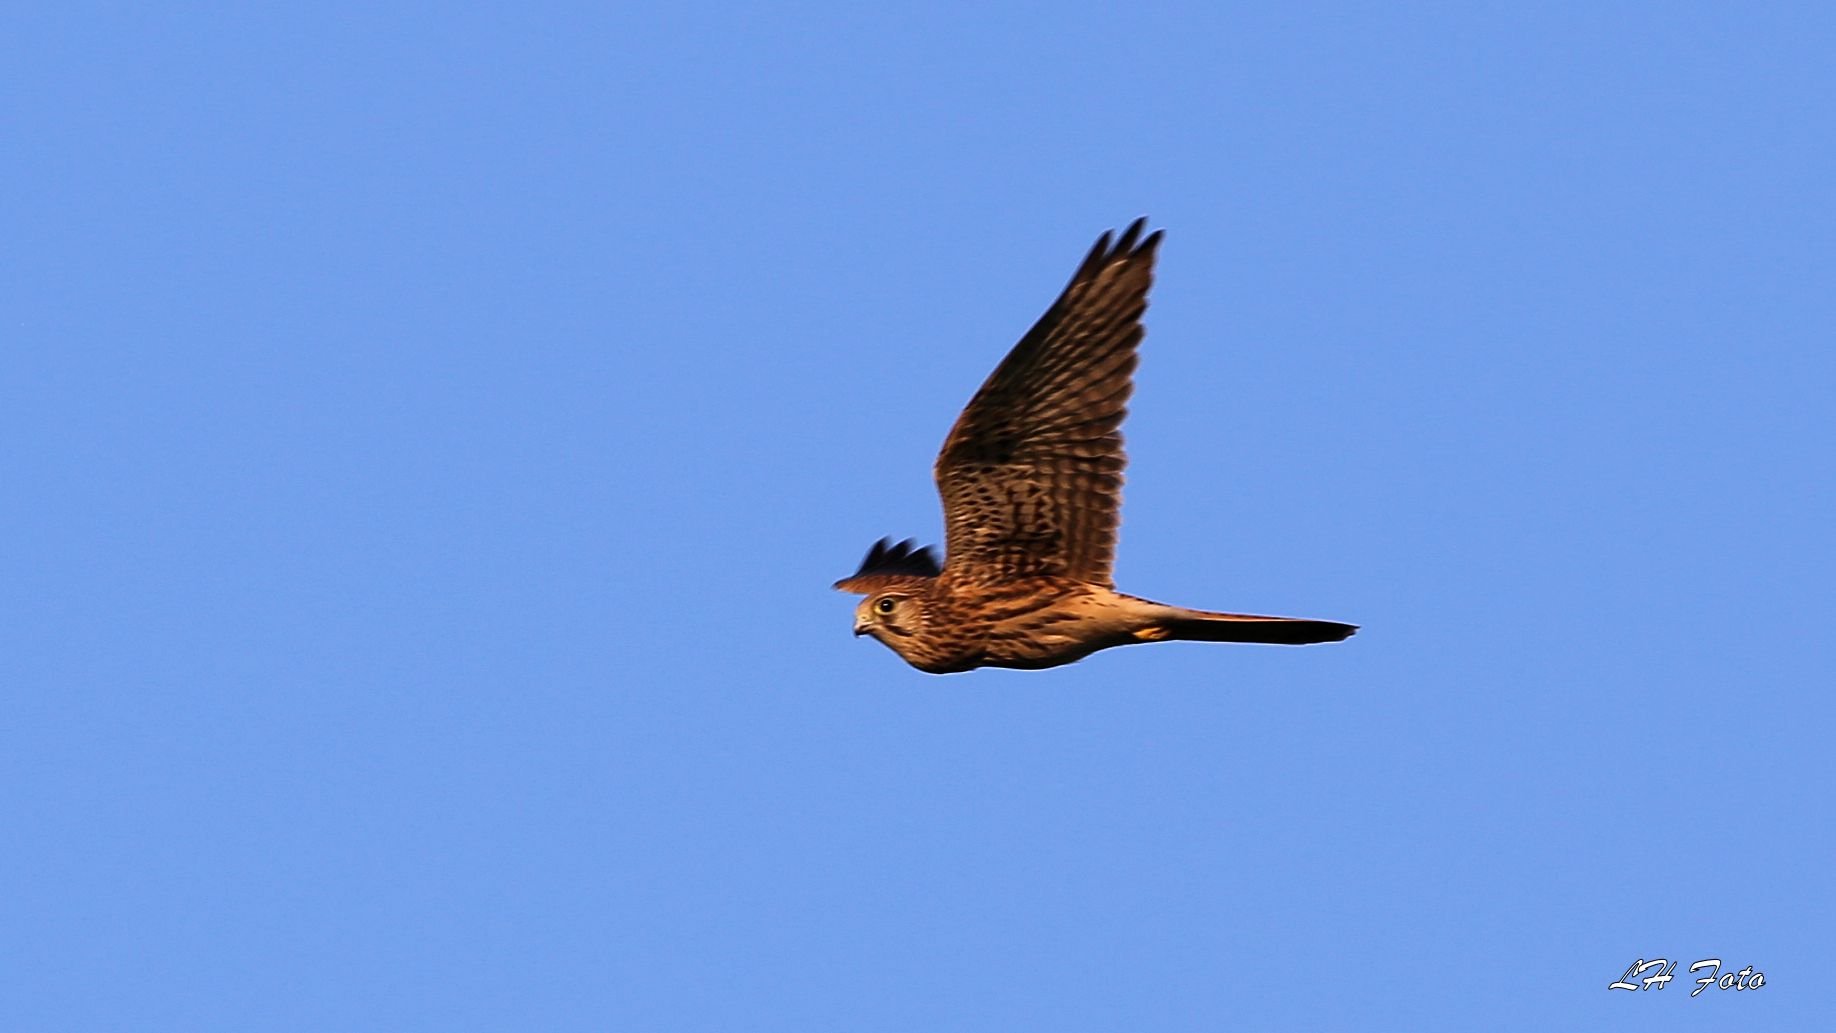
(1031,475)
(889,566)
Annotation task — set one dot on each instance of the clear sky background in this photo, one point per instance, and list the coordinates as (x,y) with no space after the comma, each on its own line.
(430,435)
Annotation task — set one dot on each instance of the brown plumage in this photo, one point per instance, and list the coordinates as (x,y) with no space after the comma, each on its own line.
(1031,479)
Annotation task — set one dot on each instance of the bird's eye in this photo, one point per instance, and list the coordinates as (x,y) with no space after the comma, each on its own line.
(885,605)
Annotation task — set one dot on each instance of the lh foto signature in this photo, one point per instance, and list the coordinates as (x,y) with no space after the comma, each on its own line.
(1661,969)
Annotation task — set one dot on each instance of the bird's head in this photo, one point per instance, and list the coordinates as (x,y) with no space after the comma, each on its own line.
(896,581)
(890,616)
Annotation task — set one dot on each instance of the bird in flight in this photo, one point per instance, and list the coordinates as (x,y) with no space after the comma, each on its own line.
(1031,479)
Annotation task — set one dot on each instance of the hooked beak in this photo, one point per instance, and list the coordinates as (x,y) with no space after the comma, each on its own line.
(859,629)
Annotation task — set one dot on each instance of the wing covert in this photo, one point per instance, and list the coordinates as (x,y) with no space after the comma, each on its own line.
(1031,474)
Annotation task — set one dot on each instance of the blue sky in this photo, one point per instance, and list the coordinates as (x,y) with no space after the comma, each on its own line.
(432,434)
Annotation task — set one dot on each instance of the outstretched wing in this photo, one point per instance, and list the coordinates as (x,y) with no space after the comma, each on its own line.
(1031,475)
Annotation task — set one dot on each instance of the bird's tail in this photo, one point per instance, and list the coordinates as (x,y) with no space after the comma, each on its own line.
(1205,626)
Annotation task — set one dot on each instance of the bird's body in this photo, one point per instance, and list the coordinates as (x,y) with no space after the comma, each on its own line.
(1031,623)
(1031,481)
(1043,622)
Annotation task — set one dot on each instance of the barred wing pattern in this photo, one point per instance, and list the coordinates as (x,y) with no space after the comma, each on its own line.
(1031,475)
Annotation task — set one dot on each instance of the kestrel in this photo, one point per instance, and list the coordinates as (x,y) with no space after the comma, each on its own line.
(1031,479)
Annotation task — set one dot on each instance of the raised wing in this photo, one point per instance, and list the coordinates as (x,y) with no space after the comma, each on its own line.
(1031,475)
(888,565)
